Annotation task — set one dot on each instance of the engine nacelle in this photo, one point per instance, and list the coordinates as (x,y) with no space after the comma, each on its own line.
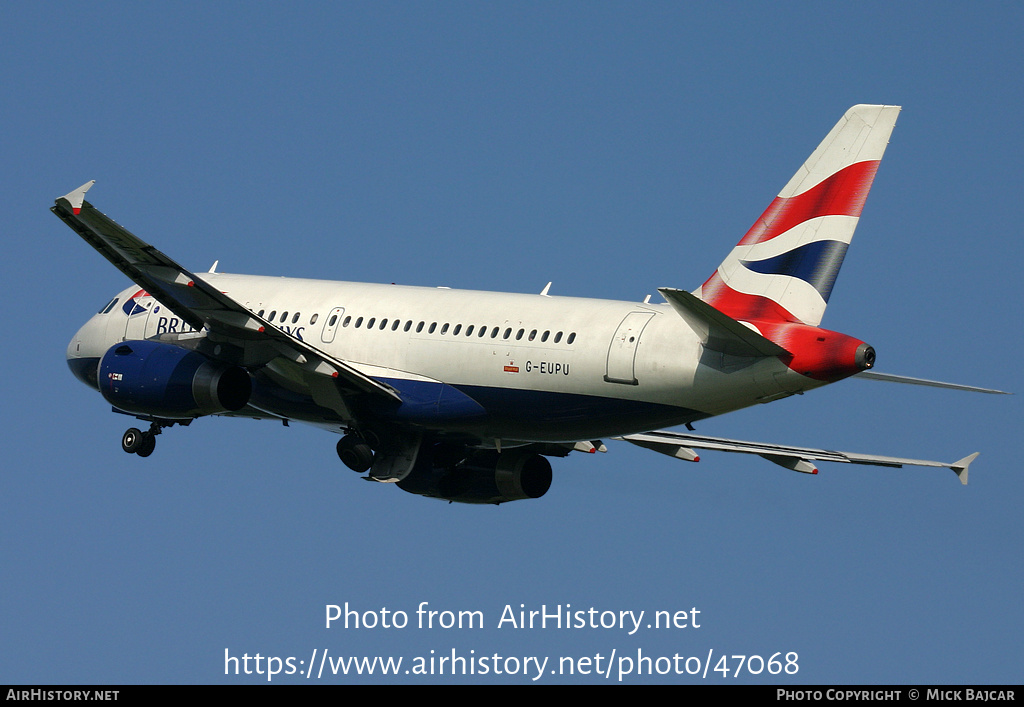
(166,381)
(479,476)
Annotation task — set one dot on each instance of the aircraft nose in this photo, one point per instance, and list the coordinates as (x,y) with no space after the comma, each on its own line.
(82,359)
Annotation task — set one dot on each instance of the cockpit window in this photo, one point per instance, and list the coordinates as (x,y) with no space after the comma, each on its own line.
(110,306)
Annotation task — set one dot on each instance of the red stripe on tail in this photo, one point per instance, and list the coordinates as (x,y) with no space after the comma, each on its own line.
(842,194)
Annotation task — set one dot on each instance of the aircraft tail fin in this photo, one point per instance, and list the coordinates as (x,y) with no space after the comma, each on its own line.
(784,268)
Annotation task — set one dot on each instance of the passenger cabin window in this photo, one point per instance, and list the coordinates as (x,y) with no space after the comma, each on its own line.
(446,328)
(312,320)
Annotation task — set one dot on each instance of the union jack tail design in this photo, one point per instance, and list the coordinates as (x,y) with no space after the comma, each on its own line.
(784,267)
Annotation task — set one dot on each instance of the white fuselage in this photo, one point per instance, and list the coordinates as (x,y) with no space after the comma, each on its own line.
(542,368)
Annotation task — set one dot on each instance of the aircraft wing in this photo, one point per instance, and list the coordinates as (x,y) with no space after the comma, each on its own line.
(244,338)
(681,446)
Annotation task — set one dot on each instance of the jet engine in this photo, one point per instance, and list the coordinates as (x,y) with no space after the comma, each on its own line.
(165,381)
(469,476)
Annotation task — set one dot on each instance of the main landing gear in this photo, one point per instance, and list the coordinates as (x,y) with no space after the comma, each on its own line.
(135,441)
(355,453)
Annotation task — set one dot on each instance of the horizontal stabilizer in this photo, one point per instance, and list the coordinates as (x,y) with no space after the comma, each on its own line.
(890,378)
(795,458)
(719,332)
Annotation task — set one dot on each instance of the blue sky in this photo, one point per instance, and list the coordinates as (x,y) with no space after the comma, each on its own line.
(609,148)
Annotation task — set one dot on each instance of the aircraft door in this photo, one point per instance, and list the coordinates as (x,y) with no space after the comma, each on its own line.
(622,350)
(138,308)
(331,322)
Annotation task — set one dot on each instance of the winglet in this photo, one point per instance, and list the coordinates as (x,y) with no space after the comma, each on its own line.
(76,197)
(960,467)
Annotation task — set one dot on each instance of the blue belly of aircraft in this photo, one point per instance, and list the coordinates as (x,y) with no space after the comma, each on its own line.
(483,411)
(526,414)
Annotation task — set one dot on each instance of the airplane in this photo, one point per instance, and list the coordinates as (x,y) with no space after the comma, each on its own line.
(463,396)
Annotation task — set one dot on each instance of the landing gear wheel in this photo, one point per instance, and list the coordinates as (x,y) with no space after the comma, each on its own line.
(147,445)
(355,453)
(132,441)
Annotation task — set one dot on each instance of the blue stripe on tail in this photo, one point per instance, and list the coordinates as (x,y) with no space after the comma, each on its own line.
(816,263)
